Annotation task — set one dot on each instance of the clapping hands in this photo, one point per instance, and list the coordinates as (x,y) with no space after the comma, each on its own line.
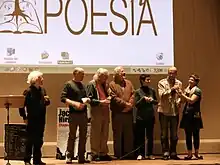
(175,88)
(148,99)
(86,100)
(106,101)
(80,106)
(46,98)
(179,92)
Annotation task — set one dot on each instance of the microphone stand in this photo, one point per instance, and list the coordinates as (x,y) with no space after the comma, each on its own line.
(7,106)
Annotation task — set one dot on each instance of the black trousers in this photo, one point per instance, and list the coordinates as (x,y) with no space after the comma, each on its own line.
(144,131)
(195,133)
(34,143)
(171,123)
(122,126)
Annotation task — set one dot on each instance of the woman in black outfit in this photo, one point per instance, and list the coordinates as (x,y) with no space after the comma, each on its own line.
(145,99)
(191,120)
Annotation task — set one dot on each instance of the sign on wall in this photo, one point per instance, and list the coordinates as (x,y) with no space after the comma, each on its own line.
(63,134)
(92,33)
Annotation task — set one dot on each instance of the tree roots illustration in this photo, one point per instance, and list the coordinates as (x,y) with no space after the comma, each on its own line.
(18,12)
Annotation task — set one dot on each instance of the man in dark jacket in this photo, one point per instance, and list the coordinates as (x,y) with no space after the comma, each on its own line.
(35,103)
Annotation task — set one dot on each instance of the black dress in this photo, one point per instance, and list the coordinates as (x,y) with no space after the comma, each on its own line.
(192,118)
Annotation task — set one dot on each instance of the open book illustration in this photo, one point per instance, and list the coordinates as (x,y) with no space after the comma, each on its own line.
(19,16)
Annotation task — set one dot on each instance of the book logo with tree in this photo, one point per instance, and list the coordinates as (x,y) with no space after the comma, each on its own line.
(19,16)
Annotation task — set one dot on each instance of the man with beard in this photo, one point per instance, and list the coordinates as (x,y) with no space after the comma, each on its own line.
(97,91)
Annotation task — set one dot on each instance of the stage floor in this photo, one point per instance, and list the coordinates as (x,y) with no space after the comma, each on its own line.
(208,160)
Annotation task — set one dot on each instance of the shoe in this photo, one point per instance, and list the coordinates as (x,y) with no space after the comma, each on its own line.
(68,161)
(150,157)
(106,158)
(27,163)
(199,157)
(95,158)
(174,157)
(41,163)
(117,158)
(188,157)
(165,157)
(89,157)
(83,161)
(140,157)
(114,158)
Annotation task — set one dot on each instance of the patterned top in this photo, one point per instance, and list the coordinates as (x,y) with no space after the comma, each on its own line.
(169,102)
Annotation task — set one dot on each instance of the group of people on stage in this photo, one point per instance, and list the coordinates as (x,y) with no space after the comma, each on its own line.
(119,97)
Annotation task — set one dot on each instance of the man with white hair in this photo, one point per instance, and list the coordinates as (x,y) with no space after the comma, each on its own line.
(122,102)
(35,103)
(97,91)
(74,95)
